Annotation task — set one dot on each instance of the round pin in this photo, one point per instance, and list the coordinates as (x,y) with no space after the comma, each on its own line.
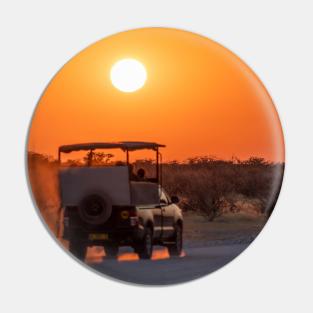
(155,156)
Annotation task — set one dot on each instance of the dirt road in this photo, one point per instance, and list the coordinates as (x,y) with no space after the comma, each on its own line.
(162,270)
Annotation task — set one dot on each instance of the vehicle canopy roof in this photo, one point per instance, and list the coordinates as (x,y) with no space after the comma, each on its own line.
(124,145)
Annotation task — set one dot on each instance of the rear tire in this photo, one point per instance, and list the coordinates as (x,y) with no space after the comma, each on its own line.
(146,246)
(176,248)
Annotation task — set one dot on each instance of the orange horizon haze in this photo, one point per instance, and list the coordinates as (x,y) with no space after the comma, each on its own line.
(199,99)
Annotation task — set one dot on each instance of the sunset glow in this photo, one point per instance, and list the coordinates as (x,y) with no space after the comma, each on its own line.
(178,88)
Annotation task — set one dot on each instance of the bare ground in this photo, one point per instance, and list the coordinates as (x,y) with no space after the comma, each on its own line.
(231,228)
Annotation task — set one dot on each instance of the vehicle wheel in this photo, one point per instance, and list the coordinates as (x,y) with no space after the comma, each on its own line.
(111,250)
(78,249)
(95,208)
(146,246)
(176,248)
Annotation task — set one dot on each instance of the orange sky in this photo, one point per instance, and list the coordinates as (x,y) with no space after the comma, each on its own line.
(199,99)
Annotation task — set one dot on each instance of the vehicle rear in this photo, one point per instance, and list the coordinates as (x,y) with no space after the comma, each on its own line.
(101,207)
(105,203)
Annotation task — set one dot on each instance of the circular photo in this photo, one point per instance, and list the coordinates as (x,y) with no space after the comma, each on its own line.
(155,156)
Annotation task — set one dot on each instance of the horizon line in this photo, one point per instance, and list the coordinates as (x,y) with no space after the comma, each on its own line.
(208,156)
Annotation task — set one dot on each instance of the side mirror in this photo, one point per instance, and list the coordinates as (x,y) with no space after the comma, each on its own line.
(174,199)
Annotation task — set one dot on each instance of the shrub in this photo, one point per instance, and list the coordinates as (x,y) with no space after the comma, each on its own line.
(204,184)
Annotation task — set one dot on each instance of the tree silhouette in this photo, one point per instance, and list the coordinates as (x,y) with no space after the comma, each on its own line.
(97,158)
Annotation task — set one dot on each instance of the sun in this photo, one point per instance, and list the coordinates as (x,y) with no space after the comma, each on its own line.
(128,75)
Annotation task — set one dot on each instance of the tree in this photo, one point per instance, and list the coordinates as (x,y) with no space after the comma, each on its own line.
(97,158)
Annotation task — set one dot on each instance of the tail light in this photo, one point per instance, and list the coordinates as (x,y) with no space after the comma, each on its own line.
(124,214)
(133,220)
(131,215)
(133,212)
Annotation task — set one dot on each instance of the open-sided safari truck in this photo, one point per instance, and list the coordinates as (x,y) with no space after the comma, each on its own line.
(109,205)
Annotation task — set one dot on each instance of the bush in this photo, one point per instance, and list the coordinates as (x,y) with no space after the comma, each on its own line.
(208,185)
(204,184)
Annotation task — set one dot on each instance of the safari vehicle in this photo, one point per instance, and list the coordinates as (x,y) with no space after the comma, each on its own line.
(110,206)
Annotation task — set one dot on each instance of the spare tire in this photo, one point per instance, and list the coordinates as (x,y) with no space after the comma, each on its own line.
(95,208)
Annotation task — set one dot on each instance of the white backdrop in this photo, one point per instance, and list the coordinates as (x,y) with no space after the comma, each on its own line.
(274,38)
